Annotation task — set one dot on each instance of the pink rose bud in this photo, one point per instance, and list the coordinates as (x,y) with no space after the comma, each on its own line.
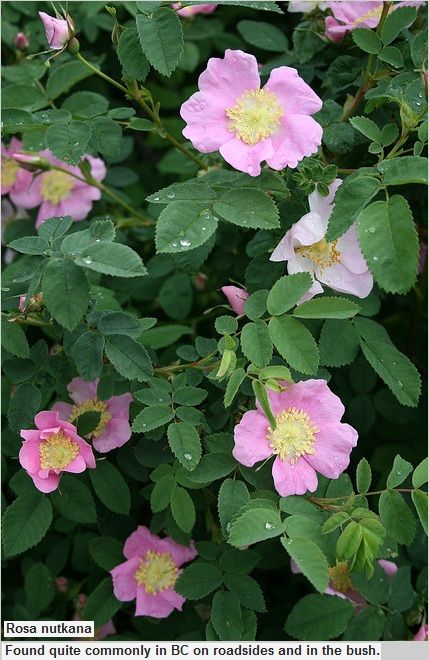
(236,298)
(58,31)
(422,634)
(62,584)
(31,162)
(200,280)
(21,42)
(192,10)
(33,305)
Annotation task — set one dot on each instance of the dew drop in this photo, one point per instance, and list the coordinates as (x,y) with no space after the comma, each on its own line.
(97,240)
(184,242)
(75,144)
(206,215)
(398,472)
(144,424)
(228,526)
(87,260)
(174,244)
(371,230)
(161,399)
(289,542)
(395,364)
(203,228)
(269,526)
(171,195)
(400,384)
(375,258)
(187,456)
(156,199)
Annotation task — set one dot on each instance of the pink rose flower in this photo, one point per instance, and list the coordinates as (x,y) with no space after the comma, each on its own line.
(113,429)
(305,6)
(348,16)
(60,194)
(53,448)
(338,264)
(58,31)
(308,438)
(236,298)
(20,41)
(14,180)
(422,634)
(150,573)
(246,124)
(192,10)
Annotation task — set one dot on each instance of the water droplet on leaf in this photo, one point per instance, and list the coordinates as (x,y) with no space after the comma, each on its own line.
(187,456)
(87,260)
(269,526)
(184,242)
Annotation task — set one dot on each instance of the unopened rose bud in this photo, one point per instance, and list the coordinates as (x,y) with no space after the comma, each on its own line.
(31,162)
(236,298)
(58,31)
(33,305)
(200,281)
(62,584)
(21,42)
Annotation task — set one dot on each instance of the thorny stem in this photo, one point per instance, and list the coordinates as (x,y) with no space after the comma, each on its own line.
(322,501)
(198,364)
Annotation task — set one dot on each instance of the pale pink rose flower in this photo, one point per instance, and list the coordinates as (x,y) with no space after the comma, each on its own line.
(20,41)
(348,16)
(305,6)
(338,264)
(236,298)
(150,573)
(231,114)
(114,429)
(192,10)
(53,448)
(422,634)
(14,180)
(308,438)
(58,31)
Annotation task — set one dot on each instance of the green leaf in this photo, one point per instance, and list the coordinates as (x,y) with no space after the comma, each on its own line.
(39,587)
(64,76)
(261,396)
(129,358)
(66,292)
(392,56)
(87,353)
(164,335)
(188,191)
(399,472)
(326,308)
(420,474)
(134,63)
(395,22)
(107,136)
(183,226)
(152,417)
(160,496)
(420,501)
(183,509)
(276,371)
(161,39)
(102,229)
(25,97)
(226,615)
(239,561)
(233,386)
(213,466)
(226,325)
(367,40)
(87,422)
(404,169)
(256,304)
(287,291)
(25,523)
(110,487)
(68,142)
(367,127)
(198,580)
(246,589)
(363,476)
(367,625)
(111,259)
(256,343)
(189,396)
(338,343)
(349,541)
(101,604)
(351,197)
(13,339)
(248,207)
(255,525)
(119,323)
(24,404)
(402,596)
(106,552)
(263,35)
(16,120)
(319,617)
(309,559)
(295,344)
(334,522)
(233,494)
(74,501)
(86,104)
(397,517)
(54,228)
(185,444)
(389,242)
(391,365)
(30,245)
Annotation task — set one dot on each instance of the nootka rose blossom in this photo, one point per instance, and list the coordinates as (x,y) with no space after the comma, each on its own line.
(339,264)
(348,16)
(308,436)
(53,448)
(113,429)
(192,10)
(59,193)
(58,31)
(248,124)
(14,179)
(305,6)
(422,634)
(236,297)
(150,573)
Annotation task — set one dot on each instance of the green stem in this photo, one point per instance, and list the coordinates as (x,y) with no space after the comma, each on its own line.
(100,73)
(326,500)
(198,364)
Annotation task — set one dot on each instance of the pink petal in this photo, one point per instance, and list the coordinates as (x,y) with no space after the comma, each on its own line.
(173,598)
(333,445)
(236,298)
(389,567)
(124,582)
(29,456)
(63,409)
(230,77)
(311,228)
(247,157)
(85,450)
(116,434)
(251,444)
(339,278)
(46,485)
(77,465)
(119,406)
(76,206)
(152,605)
(30,434)
(351,255)
(98,167)
(292,92)
(80,391)
(46,210)
(207,122)
(333,30)
(139,542)
(179,553)
(294,479)
(47,419)
(314,397)
(323,205)
(299,136)
(25,193)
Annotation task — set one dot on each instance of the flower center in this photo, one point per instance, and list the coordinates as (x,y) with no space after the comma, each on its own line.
(57,451)
(322,253)
(55,186)
(293,435)
(372,13)
(339,577)
(157,571)
(9,168)
(255,116)
(92,405)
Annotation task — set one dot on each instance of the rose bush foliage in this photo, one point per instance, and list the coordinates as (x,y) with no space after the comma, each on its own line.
(213,318)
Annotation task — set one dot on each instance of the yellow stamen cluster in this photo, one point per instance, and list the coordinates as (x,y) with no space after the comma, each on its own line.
(255,116)
(322,253)
(157,571)
(339,577)
(293,435)
(55,186)
(372,13)
(57,451)
(9,169)
(92,405)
